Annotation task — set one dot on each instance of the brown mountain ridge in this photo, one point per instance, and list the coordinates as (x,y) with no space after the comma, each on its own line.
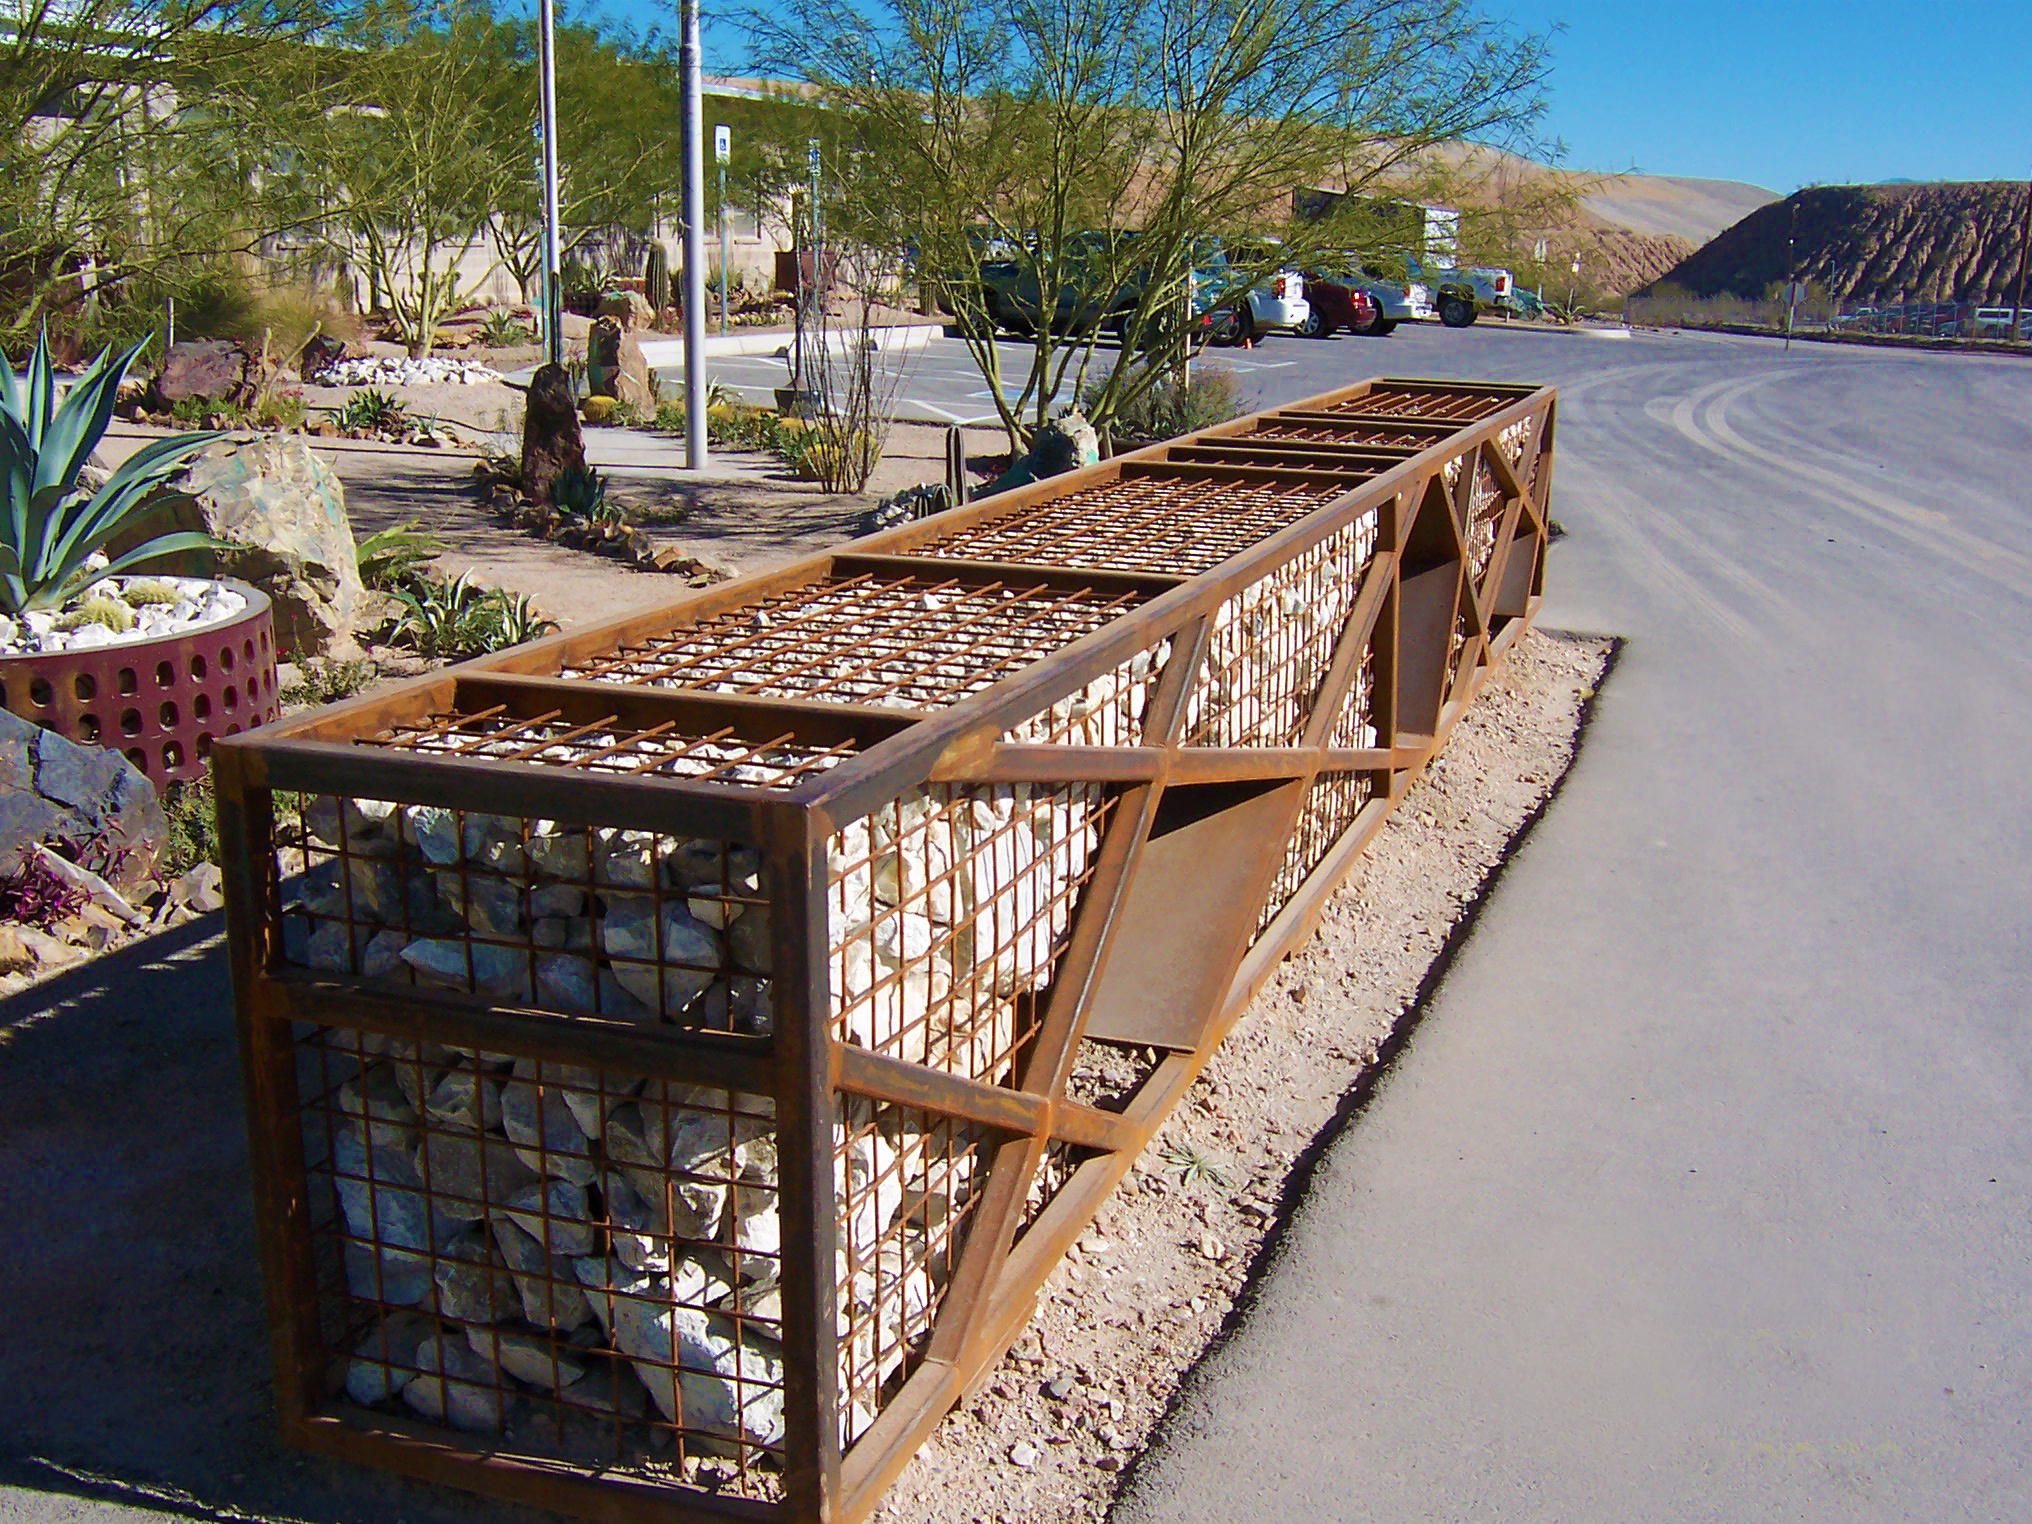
(1953,241)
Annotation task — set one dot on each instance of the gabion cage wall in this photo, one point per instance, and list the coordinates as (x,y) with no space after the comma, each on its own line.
(657,1038)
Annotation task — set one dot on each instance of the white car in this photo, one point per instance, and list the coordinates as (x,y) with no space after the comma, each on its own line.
(1277,301)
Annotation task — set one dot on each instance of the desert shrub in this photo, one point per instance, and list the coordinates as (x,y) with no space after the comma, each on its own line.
(1167,408)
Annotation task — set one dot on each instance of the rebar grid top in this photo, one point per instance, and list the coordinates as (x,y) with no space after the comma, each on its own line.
(1176,523)
(609,744)
(1417,402)
(899,641)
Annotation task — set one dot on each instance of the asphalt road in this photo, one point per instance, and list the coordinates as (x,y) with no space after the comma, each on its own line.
(1702,1191)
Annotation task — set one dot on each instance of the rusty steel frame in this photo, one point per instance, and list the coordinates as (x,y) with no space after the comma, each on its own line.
(1450,480)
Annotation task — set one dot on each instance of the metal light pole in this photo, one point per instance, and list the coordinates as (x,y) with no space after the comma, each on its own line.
(694,241)
(2024,253)
(546,74)
(1791,275)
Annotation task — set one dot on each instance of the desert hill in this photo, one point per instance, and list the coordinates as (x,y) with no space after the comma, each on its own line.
(1951,241)
(1629,229)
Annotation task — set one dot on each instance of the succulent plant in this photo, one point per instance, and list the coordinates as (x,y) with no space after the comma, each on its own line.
(50,529)
(100,608)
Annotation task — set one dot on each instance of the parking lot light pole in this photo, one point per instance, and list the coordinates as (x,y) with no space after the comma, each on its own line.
(694,241)
(546,70)
(2024,250)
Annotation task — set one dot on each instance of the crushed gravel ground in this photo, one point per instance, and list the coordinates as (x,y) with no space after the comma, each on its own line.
(1151,1285)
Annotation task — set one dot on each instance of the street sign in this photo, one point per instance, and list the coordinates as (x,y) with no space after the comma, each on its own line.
(723,143)
(811,156)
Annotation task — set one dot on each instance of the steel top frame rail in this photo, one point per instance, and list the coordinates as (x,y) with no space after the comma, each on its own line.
(1217,662)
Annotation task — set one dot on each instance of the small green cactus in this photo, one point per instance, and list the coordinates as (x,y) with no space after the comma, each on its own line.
(99,609)
(141,595)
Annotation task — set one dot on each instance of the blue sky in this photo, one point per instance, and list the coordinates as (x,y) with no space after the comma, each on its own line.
(1778,94)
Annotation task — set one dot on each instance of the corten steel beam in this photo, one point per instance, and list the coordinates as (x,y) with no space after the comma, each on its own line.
(1216,663)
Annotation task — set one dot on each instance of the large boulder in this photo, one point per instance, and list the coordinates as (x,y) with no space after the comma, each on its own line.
(630,308)
(615,364)
(551,441)
(283,512)
(212,369)
(87,798)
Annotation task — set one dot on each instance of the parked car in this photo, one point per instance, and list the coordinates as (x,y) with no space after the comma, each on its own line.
(1393,301)
(1338,304)
(1277,300)
(1461,296)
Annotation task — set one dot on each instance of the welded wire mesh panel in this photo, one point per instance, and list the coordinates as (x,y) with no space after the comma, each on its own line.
(1484,517)
(947,911)
(1173,524)
(905,1184)
(1053,1171)
(1355,724)
(1271,644)
(1312,431)
(901,642)
(1336,799)
(556,1261)
(1109,711)
(608,745)
(1424,404)
(578,920)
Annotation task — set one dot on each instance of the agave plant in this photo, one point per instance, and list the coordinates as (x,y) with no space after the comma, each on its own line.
(460,618)
(50,529)
(368,409)
(580,490)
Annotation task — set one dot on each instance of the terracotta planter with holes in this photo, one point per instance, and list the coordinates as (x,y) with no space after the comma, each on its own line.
(159,702)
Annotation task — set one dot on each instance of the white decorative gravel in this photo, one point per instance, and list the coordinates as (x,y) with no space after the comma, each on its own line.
(202,603)
(396,370)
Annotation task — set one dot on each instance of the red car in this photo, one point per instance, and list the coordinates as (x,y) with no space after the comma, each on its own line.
(1335,306)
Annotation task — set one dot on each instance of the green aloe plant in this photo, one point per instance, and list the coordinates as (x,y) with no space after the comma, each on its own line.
(50,528)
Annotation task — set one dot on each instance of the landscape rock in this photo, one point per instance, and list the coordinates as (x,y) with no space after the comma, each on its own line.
(615,364)
(283,512)
(717,1387)
(212,369)
(466,1171)
(455,1385)
(547,1284)
(540,1362)
(551,441)
(473,1284)
(546,1134)
(88,798)
(203,889)
(384,1362)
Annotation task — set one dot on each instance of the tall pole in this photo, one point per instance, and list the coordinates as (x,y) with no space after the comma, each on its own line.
(2024,250)
(723,248)
(546,73)
(1791,274)
(694,242)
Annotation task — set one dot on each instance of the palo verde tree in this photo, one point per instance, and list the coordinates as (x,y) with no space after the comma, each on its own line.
(383,160)
(618,102)
(130,136)
(1101,155)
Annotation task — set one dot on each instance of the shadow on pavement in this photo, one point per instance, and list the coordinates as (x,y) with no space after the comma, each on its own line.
(134,1364)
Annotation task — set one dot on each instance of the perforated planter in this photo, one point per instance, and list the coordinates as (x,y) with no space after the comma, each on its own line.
(670,1047)
(161,703)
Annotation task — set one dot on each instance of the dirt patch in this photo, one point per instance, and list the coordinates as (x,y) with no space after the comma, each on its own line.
(1136,1304)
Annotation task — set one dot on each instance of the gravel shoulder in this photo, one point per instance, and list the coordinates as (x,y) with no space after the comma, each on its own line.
(1152,1286)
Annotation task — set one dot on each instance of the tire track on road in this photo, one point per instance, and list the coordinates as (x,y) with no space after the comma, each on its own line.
(1703,418)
